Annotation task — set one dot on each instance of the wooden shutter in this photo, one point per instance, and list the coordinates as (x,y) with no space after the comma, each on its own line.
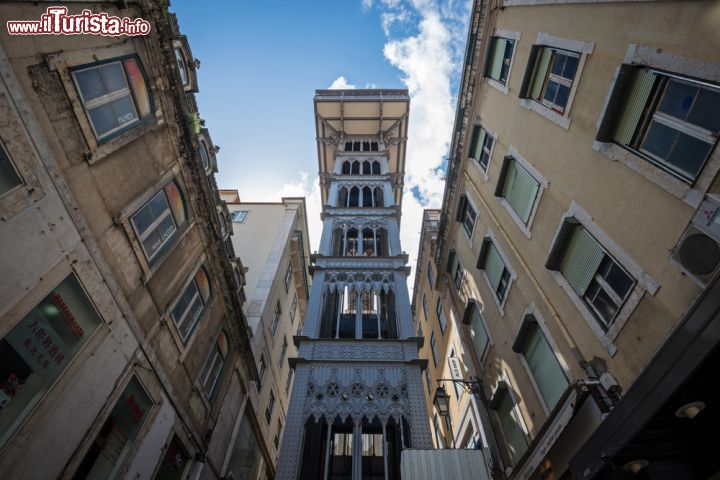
(493,266)
(581,260)
(634,106)
(520,190)
(540,73)
(472,151)
(497,58)
(544,365)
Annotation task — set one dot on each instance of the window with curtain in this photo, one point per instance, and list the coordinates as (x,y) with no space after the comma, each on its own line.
(601,282)
(499,58)
(497,273)
(519,189)
(542,363)
(667,119)
(550,76)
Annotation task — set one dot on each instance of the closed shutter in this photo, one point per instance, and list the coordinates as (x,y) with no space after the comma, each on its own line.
(540,72)
(494,266)
(634,106)
(472,151)
(478,332)
(498,55)
(544,366)
(581,260)
(520,190)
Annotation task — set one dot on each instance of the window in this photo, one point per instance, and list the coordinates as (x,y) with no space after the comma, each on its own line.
(478,333)
(499,58)
(288,277)
(205,157)
(669,120)
(518,187)
(113,443)
(428,381)
(425,307)
(289,381)
(459,274)
(114,94)
(293,308)
(496,272)
(466,214)
(9,178)
(270,406)
(595,276)
(541,361)
(433,348)
(174,462)
(551,73)
(276,318)
(511,424)
(441,316)
(481,144)
(261,371)
(246,459)
(431,275)
(276,440)
(189,307)
(38,349)
(182,67)
(214,364)
(239,216)
(438,433)
(283,351)
(156,223)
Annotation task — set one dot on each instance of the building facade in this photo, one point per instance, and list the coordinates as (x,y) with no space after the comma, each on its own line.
(273,240)
(124,350)
(578,226)
(358,398)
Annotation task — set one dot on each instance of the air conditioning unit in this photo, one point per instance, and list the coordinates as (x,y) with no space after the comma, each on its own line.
(698,251)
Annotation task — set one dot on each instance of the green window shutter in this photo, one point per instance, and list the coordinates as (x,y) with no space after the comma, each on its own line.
(478,332)
(581,260)
(543,363)
(540,72)
(516,441)
(494,266)
(634,105)
(474,142)
(520,190)
(496,61)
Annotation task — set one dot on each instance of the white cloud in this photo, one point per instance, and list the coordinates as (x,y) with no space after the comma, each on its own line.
(341,83)
(304,187)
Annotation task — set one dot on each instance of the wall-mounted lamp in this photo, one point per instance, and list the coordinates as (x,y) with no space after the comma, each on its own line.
(690,410)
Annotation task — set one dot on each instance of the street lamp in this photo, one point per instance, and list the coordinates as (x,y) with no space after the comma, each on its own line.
(442,401)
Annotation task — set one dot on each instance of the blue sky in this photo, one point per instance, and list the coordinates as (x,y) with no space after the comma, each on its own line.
(261,62)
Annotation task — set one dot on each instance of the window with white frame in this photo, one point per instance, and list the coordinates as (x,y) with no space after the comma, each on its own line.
(510,421)
(473,319)
(211,372)
(189,307)
(114,94)
(288,277)
(9,179)
(433,348)
(496,271)
(592,273)
(481,144)
(276,318)
(441,316)
(261,371)
(518,187)
(550,76)
(270,407)
(466,214)
(239,216)
(458,275)
(669,120)
(541,361)
(283,351)
(156,223)
(500,54)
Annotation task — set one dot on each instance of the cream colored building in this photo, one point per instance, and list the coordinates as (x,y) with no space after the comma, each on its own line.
(578,226)
(273,242)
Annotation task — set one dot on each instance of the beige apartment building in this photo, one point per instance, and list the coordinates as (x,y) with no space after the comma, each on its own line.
(124,349)
(273,241)
(572,266)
